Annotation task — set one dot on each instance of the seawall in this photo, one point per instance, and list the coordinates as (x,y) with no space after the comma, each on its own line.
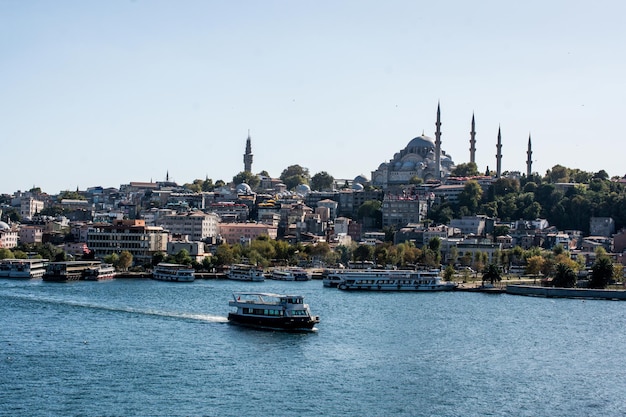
(552,292)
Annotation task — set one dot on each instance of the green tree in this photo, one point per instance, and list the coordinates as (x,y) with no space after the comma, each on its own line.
(124,261)
(248,178)
(465,170)
(294,175)
(470,196)
(370,213)
(224,254)
(364,253)
(322,181)
(157,258)
(448,273)
(565,277)
(601,272)
(492,274)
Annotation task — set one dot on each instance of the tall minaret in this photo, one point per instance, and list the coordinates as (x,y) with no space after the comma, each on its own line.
(438,143)
(529,160)
(247,157)
(473,142)
(499,155)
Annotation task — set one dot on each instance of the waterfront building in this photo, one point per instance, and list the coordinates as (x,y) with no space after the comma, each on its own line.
(127,235)
(30,234)
(196,225)
(232,233)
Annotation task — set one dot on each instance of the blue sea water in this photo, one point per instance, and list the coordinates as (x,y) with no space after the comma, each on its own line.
(149,348)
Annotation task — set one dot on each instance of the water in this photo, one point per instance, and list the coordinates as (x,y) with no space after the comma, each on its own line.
(149,348)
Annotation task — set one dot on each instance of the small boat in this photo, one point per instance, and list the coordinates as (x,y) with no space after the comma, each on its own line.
(389,280)
(23,268)
(99,272)
(173,272)
(243,272)
(271,311)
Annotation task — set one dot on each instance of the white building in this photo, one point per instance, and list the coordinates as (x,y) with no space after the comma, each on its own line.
(196,225)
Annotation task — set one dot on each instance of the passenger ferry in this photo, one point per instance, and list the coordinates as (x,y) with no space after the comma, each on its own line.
(290,274)
(99,272)
(23,268)
(67,271)
(173,272)
(243,272)
(271,311)
(390,280)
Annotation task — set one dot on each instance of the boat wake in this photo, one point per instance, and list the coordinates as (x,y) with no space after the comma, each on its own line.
(122,309)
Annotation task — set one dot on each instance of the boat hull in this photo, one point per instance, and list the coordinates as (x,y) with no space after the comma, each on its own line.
(274,323)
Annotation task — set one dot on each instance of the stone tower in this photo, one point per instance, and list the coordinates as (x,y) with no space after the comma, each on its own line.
(247,157)
(529,160)
(438,144)
(499,155)
(473,142)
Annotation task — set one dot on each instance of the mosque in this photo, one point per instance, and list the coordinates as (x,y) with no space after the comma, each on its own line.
(424,158)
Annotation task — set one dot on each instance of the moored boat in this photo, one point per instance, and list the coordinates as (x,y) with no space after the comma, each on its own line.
(390,280)
(99,272)
(23,268)
(67,271)
(243,272)
(173,272)
(290,274)
(271,311)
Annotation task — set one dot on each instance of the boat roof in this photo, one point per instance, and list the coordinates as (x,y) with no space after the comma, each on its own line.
(265,294)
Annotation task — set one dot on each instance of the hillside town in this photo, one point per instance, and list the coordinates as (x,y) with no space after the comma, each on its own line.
(418,197)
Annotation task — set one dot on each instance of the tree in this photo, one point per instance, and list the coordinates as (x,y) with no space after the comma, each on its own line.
(364,253)
(294,175)
(492,274)
(224,254)
(322,181)
(370,213)
(465,170)
(470,196)
(448,273)
(124,261)
(565,276)
(601,272)
(534,264)
(157,258)
(248,178)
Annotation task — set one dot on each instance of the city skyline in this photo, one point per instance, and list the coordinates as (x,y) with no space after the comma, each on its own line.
(109,93)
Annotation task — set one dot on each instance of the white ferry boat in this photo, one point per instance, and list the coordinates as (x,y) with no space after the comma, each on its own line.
(290,274)
(23,268)
(67,271)
(390,280)
(99,272)
(242,272)
(271,311)
(173,272)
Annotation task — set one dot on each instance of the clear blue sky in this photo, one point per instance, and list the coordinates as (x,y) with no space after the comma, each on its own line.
(108,92)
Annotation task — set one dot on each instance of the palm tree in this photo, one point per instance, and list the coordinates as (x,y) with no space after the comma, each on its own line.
(492,274)
(601,272)
(565,277)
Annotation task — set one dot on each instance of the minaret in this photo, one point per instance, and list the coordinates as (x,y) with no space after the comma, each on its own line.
(438,144)
(499,155)
(473,142)
(529,161)
(247,157)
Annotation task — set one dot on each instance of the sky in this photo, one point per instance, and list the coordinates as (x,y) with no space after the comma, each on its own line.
(103,93)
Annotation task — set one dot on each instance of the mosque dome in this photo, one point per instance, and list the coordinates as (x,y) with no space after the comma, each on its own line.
(421,142)
(361,179)
(244,188)
(357,186)
(303,189)
(4,226)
